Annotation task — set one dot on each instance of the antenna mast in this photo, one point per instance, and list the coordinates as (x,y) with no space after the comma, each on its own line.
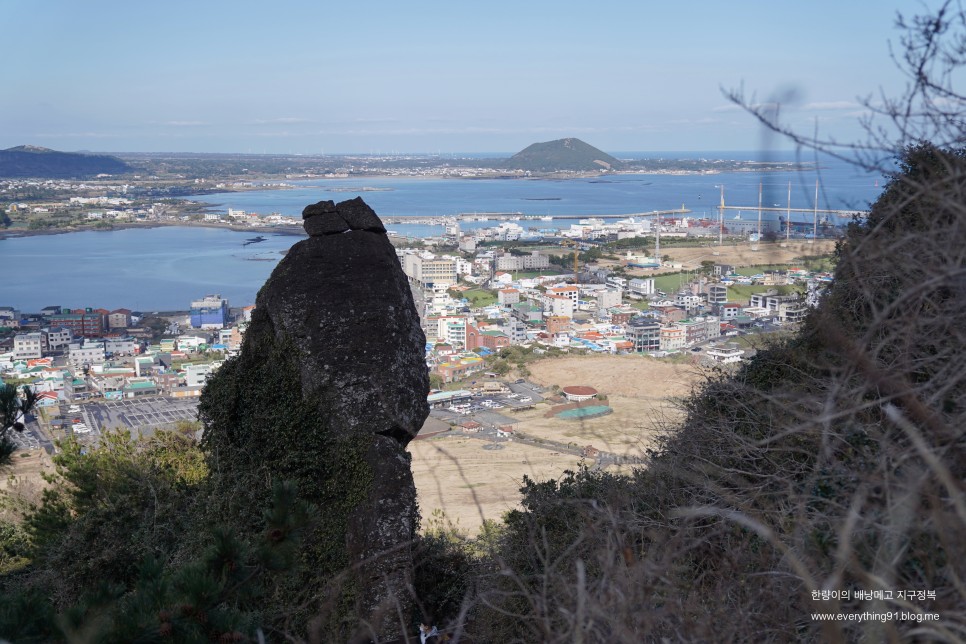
(721,218)
(788,214)
(815,214)
(759,216)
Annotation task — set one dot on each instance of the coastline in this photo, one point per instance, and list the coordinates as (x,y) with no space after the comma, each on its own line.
(18,233)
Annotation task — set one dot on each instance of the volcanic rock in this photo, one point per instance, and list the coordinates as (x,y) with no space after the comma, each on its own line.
(339,309)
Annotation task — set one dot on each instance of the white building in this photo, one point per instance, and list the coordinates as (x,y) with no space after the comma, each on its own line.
(115,346)
(726,355)
(687,301)
(515,330)
(195,375)
(427,270)
(57,338)
(608,298)
(533,261)
(558,305)
(508,296)
(639,286)
(27,346)
(191,342)
(571,292)
(88,352)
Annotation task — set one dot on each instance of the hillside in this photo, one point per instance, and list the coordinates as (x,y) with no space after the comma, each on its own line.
(562,154)
(31,161)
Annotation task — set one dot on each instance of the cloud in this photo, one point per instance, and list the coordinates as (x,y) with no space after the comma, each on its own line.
(707,120)
(184,123)
(758,107)
(823,106)
(78,135)
(282,120)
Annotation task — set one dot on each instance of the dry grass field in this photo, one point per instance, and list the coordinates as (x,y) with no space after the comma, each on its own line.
(455,474)
(742,254)
(469,483)
(23,480)
(27,465)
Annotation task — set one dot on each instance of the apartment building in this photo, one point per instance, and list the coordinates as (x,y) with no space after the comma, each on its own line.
(642,287)
(645,333)
(430,271)
(28,346)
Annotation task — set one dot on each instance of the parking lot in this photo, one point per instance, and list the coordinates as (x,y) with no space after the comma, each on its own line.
(491,410)
(141,415)
(28,439)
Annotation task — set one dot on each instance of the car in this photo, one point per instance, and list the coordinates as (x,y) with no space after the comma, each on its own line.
(696,349)
(526,400)
(519,381)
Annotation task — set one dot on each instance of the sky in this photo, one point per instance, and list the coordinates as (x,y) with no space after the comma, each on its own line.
(437,77)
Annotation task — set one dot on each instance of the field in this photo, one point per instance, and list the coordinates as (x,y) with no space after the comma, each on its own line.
(480,297)
(23,479)
(468,483)
(743,255)
(741,293)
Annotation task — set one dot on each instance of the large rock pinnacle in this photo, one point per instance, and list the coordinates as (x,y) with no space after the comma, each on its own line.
(338,311)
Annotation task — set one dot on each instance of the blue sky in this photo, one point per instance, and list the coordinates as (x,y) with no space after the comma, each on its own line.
(311,77)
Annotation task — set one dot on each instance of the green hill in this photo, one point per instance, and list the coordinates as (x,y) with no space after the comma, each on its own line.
(562,154)
(31,161)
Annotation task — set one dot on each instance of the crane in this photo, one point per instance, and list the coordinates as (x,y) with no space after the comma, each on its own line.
(572,244)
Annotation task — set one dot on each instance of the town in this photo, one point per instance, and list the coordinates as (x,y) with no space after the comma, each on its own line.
(489,301)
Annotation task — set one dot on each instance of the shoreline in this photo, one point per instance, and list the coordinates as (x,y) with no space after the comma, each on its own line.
(282,230)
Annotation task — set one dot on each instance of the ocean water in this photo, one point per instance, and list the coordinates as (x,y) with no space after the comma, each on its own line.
(841,187)
(165,268)
(141,269)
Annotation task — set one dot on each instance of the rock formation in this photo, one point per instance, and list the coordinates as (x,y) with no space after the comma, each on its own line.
(336,320)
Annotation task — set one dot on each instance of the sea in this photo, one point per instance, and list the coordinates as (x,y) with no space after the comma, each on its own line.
(164,268)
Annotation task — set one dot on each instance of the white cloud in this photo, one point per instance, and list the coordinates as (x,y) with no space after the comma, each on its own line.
(822,106)
(286,120)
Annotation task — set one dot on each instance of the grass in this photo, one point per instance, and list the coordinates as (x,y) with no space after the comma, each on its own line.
(670,283)
(748,271)
(480,297)
(741,294)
